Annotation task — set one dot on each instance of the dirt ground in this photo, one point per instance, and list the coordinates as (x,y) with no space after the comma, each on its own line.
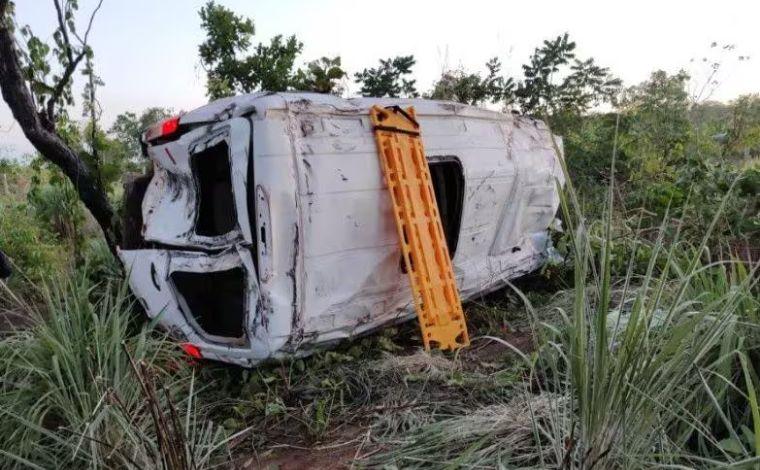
(345,446)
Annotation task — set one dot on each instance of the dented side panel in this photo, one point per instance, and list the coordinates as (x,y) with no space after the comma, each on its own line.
(150,279)
(353,280)
(172,201)
(277,226)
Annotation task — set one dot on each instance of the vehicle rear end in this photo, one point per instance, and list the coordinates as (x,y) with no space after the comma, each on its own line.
(195,263)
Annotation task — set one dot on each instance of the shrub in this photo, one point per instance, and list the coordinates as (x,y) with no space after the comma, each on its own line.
(34,251)
(56,206)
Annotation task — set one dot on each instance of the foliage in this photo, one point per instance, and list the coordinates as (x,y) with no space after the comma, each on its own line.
(650,359)
(98,265)
(56,206)
(320,76)
(632,379)
(668,161)
(108,156)
(659,114)
(470,88)
(33,249)
(742,138)
(588,144)
(555,84)
(582,84)
(129,126)
(268,67)
(38,94)
(47,84)
(388,79)
(227,36)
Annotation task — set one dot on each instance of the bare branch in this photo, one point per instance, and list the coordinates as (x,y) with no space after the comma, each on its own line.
(89,25)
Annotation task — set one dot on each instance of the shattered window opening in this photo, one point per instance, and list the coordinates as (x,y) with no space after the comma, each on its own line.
(216,214)
(447,177)
(448,184)
(215,300)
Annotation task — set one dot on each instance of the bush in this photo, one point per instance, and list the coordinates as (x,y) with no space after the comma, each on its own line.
(589,144)
(34,251)
(56,206)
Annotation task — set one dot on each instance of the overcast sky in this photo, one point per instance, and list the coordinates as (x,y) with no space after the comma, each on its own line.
(146,50)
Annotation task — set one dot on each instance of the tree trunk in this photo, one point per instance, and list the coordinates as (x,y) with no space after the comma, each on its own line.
(41,133)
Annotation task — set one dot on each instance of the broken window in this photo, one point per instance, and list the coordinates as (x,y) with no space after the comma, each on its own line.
(215,300)
(448,184)
(216,202)
(447,177)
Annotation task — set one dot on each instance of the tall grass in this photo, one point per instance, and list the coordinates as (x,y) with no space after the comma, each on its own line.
(84,388)
(651,369)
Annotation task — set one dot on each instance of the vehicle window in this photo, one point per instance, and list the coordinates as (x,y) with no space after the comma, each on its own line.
(216,202)
(216,300)
(448,184)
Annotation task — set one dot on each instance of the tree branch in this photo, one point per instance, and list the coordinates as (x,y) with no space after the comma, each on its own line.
(73,62)
(64,31)
(19,98)
(61,85)
(89,25)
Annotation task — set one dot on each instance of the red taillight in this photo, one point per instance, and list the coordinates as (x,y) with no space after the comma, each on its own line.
(170,126)
(164,128)
(192,350)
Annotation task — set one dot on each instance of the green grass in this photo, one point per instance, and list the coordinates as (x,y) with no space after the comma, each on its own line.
(82,387)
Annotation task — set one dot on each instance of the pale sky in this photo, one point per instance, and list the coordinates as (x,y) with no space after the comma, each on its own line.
(146,51)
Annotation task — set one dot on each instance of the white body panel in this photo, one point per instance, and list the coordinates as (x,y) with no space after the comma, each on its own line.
(327,261)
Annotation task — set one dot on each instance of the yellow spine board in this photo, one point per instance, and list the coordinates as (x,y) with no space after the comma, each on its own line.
(420,232)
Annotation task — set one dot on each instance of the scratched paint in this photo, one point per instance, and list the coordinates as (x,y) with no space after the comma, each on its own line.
(319,248)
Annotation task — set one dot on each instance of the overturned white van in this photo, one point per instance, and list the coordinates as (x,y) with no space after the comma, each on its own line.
(267,231)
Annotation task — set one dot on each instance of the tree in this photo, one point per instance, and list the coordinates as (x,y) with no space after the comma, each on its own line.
(269,67)
(128,127)
(470,88)
(743,133)
(37,94)
(227,35)
(388,78)
(554,84)
(658,110)
(321,76)
(91,109)
(542,92)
